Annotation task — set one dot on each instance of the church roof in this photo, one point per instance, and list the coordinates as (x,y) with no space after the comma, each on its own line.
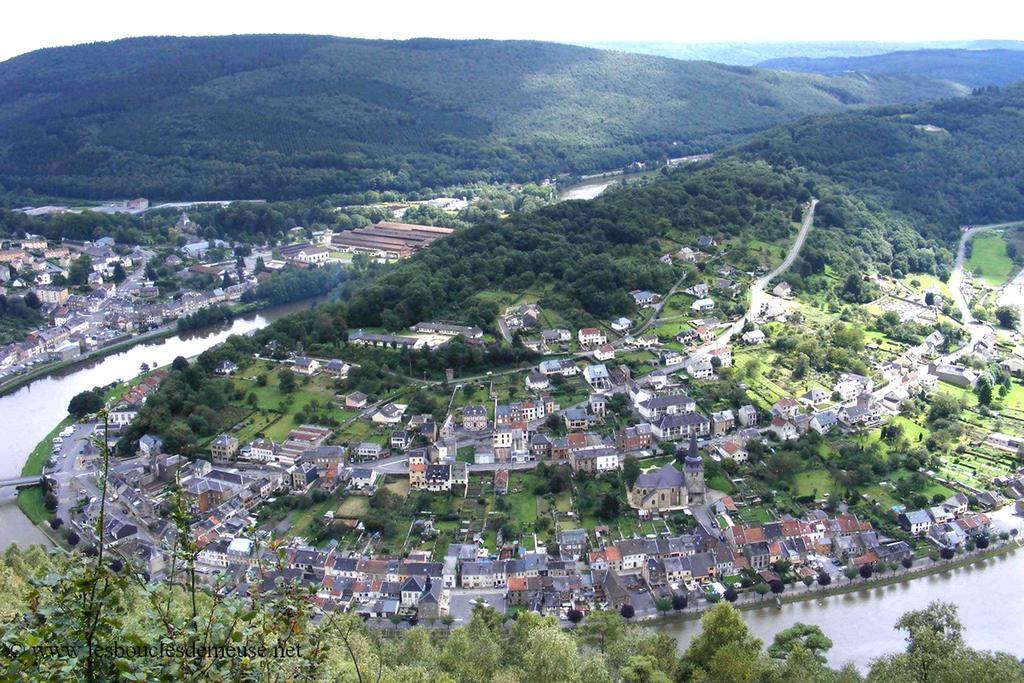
(665,477)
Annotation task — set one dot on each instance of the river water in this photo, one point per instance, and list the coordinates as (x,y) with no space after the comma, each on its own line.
(30,413)
(588,189)
(861,624)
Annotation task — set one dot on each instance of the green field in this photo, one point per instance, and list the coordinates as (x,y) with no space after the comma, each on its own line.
(30,501)
(275,411)
(921,283)
(813,483)
(989,260)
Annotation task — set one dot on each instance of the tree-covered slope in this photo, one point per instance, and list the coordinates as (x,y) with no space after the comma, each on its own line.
(583,258)
(895,184)
(287,116)
(943,164)
(971,68)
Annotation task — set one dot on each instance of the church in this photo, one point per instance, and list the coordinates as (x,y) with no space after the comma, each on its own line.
(667,488)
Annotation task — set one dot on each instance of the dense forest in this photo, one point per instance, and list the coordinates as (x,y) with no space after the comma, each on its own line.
(87,617)
(941,165)
(279,117)
(582,256)
(18,316)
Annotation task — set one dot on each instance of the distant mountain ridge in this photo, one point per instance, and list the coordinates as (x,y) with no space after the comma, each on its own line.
(754,54)
(972,68)
(285,116)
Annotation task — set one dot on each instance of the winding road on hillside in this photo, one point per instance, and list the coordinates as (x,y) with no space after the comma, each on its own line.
(758,286)
(975,328)
(756,297)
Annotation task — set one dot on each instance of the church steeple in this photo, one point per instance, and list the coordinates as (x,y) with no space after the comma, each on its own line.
(692,460)
(693,471)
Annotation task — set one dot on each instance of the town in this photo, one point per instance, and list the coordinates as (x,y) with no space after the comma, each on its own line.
(89,297)
(643,465)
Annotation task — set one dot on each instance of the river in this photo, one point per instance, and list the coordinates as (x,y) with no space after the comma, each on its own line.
(861,624)
(28,414)
(588,189)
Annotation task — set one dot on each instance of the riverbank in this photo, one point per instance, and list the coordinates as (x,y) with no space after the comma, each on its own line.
(29,414)
(14,383)
(856,586)
(30,500)
(592,186)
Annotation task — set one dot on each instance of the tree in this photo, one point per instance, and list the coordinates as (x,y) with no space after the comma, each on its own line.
(678,601)
(179,438)
(179,363)
(730,594)
(723,633)
(85,403)
(865,571)
(824,579)
(78,271)
(1008,317)
(777,587)
(803,635)
(641,669)
(984,392)
(936,651)
(850,573)
(31,300)
(627,611)
(630,470)
(947,553)
(611,506)
(119,274)
(287,381)
(574,616)
(907,562)
(602,629)
(808,581)
(762,589)
(944,406)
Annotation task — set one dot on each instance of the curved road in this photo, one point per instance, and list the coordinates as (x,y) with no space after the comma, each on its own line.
(757,288)
(976,329)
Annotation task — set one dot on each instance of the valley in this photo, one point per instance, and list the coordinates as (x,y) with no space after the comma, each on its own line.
(602,348)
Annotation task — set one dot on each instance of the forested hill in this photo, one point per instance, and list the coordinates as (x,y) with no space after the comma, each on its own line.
(293,116)
(971,68)
(895,185)
(582,258)
(943,164)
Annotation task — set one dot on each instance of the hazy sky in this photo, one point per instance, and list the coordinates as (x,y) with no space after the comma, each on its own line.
(30,24)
